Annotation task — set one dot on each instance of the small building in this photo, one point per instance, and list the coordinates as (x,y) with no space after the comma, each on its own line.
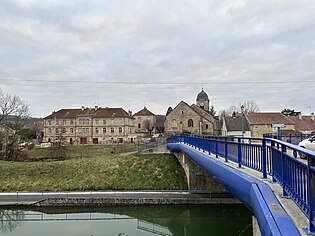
(194,119)
(235,125)
(145,121)
(89,126)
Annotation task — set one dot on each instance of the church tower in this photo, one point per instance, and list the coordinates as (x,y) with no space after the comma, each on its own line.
(203,101)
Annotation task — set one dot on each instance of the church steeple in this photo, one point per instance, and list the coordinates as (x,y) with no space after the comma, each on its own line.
(203,101)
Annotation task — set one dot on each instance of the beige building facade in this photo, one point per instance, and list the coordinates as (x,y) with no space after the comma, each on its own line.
(89,126)
(145,121)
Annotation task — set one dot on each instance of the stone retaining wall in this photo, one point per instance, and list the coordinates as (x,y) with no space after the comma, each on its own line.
(129,201)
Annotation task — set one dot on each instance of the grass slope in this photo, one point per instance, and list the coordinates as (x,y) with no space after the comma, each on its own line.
(102,171)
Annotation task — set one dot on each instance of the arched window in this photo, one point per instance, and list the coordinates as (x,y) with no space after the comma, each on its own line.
(174,123)
(190,123)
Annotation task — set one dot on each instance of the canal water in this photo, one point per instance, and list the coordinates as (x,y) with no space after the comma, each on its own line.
(128,221)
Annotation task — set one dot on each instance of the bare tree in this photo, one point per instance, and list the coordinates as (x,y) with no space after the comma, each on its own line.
(10,220)
(148,125)
(249,106)
(14,113)
(228,112)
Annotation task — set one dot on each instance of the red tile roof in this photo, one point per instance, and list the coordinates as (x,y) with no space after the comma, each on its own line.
(95,112)
(304,124)
(144,112)
(267,119)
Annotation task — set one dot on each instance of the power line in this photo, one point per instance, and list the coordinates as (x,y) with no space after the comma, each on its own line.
(155,83)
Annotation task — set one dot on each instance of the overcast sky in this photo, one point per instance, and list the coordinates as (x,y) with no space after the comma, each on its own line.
(68,53)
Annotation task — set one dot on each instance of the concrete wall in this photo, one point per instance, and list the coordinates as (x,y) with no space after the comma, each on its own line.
(197,179)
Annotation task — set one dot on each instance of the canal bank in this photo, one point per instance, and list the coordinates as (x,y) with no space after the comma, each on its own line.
(116,198)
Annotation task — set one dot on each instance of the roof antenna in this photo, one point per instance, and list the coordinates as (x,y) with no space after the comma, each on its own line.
(310,107)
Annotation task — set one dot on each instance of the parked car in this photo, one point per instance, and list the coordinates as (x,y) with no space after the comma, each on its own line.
(308,143)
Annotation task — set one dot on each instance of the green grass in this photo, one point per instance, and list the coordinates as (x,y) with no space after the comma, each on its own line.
(102,171)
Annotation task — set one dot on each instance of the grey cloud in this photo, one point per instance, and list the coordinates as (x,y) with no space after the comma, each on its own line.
(221,44)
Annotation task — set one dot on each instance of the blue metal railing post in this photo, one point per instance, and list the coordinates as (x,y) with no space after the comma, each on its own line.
(216,147)
(239,153)
(264,158)
(226,150)
(311,193)
(283,171)
(273,161)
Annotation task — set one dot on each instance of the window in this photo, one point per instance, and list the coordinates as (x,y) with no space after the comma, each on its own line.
(80,121)
(139,126)
(96,130)
(57,122)
(112,130)
(49,130)
(87,130)
(207,126)
(71,122)
(174,123)
(71,130)
(182,112)
(104,130)
(190,123)
(96,121)
(87,121)
(104,121)
(120,130)
(64,122)
(49,122)
(64,130)
(80,131)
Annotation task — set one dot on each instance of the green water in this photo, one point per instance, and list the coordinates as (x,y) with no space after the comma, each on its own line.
(127,221)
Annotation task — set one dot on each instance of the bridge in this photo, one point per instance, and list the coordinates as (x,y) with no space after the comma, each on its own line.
(263,174)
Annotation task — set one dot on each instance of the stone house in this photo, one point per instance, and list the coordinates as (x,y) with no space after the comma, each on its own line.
(261,123)
(194,119)
(89,126)
(145,121)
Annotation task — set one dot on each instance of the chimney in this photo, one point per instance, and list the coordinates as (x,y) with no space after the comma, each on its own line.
(130,113)
(300,116)
(96,107)
(312,116)
(82,108)
(234,114)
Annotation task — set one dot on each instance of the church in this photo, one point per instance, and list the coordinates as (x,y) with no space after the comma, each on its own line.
(192,119)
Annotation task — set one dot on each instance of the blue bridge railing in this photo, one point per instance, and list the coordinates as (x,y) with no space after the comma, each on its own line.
(270,157)
(289,138)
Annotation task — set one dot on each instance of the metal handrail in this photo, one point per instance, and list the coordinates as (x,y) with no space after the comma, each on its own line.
(271,157)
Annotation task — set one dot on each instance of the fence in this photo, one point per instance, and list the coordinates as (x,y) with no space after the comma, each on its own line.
(269,156)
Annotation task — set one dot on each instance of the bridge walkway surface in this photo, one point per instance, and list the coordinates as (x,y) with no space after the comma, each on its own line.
(247,180)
